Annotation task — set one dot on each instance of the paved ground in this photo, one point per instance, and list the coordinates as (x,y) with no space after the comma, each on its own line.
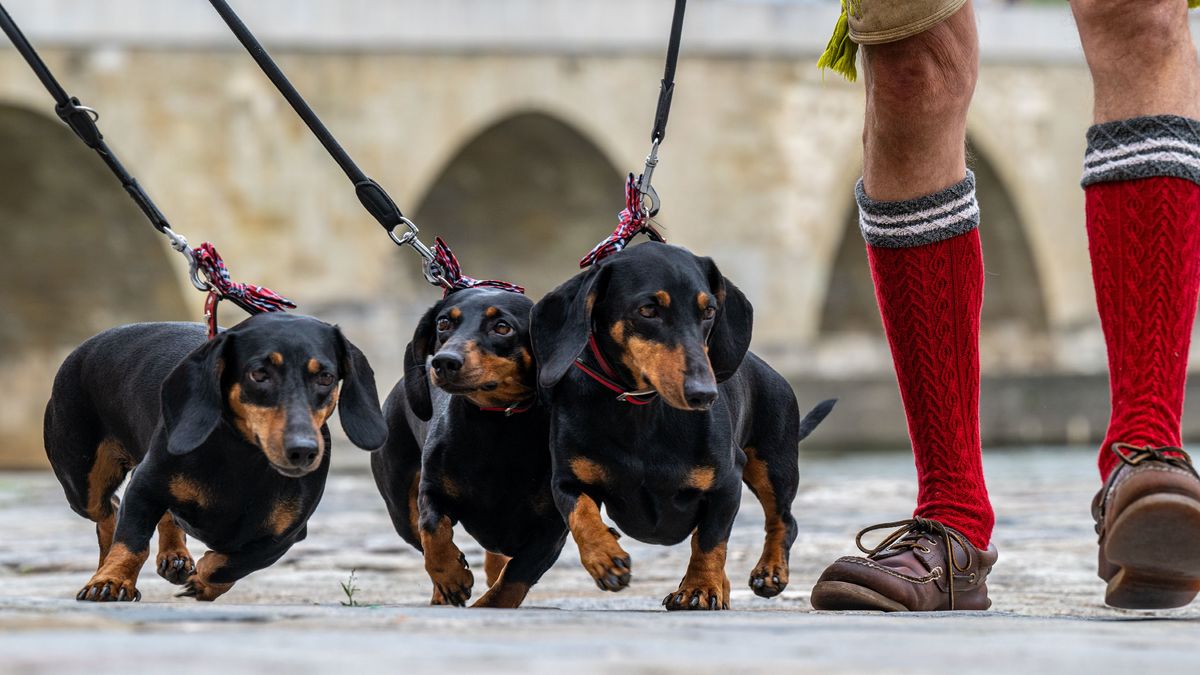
(1047,617)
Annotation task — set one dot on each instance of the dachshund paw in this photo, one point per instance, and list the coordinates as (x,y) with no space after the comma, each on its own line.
(768,580)
(204,591)
(175,566)
(453,588)
(452,583)
(608,563)
(696,597)
(109,588)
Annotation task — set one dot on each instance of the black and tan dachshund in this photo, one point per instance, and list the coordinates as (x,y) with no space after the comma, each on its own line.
(226,439)
(659,413)
(472,449)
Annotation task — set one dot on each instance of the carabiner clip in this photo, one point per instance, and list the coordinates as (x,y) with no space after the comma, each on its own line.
(408,237)
(429,267)
(650,200)
(180,244)
(194,273)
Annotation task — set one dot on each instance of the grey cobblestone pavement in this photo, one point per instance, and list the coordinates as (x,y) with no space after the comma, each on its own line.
(1047,617)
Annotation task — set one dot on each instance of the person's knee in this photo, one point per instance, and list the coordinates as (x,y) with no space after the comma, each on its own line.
(932,74)
(1148,24)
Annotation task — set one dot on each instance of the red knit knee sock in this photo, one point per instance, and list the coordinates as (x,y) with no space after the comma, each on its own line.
(1143,223)
(927,267)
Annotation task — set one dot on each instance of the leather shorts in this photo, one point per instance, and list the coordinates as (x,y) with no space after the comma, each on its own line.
(874,22)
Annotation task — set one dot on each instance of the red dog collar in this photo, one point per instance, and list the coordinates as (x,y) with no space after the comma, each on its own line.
(609,378)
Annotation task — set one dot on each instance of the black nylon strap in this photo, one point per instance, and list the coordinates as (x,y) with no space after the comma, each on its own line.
(373,197)
(668,82)
(82,121)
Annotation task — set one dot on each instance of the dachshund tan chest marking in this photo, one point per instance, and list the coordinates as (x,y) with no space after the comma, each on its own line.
(188,491)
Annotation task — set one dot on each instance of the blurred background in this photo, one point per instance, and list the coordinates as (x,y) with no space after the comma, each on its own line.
(506,127)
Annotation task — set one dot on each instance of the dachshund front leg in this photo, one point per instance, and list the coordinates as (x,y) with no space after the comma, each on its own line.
(116,578)
(445,563)
(217,572)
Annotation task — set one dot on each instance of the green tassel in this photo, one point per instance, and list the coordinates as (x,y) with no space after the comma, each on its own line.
(841,52)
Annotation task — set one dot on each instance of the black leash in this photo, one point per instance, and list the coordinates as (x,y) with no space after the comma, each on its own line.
(373,197)
(206,270)
(82,120)
(651,202)
(641,199)
(668,81)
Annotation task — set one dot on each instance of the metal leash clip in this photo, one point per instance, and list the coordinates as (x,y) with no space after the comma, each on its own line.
(432,271)
(650,200)
(180,244)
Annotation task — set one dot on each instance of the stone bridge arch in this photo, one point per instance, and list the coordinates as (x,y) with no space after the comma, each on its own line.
(528,192)
(88,261)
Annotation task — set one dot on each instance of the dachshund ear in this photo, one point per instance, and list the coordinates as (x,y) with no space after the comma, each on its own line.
(416,377)
(561,321)
(190,398)
(730,337)
(358,404)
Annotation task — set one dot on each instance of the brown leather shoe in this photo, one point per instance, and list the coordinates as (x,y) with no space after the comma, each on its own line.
(1148,518)
(922,567)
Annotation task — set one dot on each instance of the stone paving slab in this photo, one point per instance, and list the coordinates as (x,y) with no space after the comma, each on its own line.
(1048,615)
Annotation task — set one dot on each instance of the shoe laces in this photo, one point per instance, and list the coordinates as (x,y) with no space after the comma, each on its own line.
(1134,455)
(909,535)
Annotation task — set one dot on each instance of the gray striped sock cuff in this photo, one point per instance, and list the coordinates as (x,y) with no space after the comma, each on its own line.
(917,222)
(1143,147)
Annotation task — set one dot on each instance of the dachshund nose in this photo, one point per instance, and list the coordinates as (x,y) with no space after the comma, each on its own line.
(302,452)
(700,395)
(447,365)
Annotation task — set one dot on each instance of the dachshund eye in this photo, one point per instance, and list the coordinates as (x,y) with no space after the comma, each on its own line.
(326,379)
(648,311)
(443,324)
(502,328)
(709,312)
(259,375)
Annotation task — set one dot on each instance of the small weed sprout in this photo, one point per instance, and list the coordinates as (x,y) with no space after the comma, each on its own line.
(349,589)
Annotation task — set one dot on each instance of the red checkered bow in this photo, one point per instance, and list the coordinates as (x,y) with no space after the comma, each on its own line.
(252,299)
(454,280)
(633,221)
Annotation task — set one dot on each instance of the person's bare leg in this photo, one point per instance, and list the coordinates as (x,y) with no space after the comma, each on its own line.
(1142,186)
(918,92)
(918,214)
(1141,58)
